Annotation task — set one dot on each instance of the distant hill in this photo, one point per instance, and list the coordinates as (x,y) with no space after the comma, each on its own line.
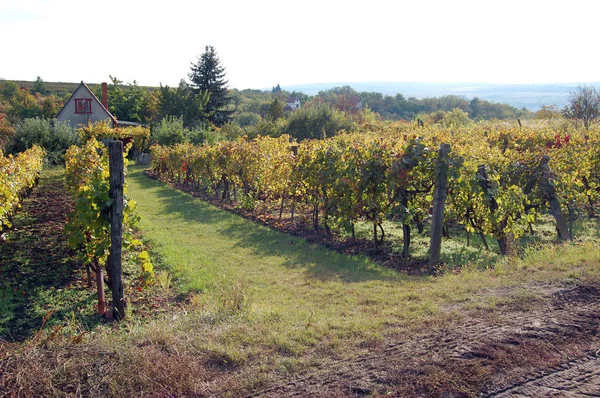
(530,96)
(64,89)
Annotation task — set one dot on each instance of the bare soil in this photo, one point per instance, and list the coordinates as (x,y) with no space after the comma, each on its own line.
(548,350)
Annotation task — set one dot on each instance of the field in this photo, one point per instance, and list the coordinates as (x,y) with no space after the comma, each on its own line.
(240,309)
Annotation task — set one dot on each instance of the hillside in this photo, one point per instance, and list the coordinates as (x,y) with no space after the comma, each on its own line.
(530,96)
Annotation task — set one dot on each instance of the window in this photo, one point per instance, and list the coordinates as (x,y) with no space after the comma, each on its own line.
(83,105)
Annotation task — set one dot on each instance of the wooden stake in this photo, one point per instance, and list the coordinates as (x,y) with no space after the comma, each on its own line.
(549,191)
(115,151)
(439,201)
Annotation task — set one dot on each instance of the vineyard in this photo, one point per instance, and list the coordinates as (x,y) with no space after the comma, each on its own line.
(500,179)
(237,309)
(18,174)
(89,225)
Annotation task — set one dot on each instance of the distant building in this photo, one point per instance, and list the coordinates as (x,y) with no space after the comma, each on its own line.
(292,103)
(83,107)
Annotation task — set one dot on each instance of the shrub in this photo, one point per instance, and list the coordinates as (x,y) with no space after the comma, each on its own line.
(318,122)
(53,135)
(170,131)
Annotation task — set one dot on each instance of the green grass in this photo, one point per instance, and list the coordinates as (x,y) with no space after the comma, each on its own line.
(294,298)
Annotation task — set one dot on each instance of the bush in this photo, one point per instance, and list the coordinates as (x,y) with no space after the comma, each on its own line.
(170,131)
(53,135)
(246,119)
(318,122)
(198,135)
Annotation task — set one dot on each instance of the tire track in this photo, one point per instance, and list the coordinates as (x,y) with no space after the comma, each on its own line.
(580,377)
(566,316)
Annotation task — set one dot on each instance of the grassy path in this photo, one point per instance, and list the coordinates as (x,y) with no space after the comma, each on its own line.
(281,277)
(297,292)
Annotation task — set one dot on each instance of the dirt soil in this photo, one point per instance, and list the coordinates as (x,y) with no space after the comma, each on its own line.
(35,260)
(548,350)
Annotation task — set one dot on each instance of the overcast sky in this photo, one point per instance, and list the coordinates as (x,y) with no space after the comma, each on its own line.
(262,43)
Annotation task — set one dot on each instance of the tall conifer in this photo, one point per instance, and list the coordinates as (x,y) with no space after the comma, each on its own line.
(208,75)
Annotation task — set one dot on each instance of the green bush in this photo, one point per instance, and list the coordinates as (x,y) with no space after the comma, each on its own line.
(170,131)
(318,122)
(53,135)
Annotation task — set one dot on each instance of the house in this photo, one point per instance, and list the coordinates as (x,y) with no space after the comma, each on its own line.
(292,103)
(83,107)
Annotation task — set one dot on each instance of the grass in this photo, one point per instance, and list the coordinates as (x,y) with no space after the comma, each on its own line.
(259,305)
(304,303)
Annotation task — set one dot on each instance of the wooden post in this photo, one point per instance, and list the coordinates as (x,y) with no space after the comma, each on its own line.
(439,201)
(100,287)
(486,187)
(115,151)
(549,191)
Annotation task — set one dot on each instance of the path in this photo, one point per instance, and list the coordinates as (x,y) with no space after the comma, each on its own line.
(546,343)
(36,264)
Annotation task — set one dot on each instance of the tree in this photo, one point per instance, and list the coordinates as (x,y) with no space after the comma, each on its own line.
(584,105)
(39,86)
(317,122)
(208,76)
(275,110)
(8,89)
(547,112)
(23,106)
(181,102)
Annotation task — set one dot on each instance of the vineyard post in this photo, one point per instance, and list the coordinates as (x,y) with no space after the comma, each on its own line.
(486,187)
(549,191)
(115,151)
(439,200)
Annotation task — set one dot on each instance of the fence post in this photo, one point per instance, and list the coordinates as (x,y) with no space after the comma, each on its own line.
(115,151)
(549,191)
(504,240)
(439,201)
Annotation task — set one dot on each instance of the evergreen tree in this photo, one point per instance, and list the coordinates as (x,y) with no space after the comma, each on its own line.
(275,110)
(208,76)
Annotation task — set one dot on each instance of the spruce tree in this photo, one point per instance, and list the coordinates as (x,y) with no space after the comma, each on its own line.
(208,76)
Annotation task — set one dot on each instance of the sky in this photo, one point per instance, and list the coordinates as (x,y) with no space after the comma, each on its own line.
(262,43)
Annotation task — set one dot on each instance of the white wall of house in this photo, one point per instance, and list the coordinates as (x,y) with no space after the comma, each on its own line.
(97,112)
(294,104)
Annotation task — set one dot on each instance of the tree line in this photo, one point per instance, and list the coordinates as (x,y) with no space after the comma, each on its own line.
(203,107)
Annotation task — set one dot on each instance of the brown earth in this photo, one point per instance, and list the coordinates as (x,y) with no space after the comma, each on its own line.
(547,350)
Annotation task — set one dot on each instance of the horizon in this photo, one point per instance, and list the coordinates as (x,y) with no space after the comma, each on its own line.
(265,43)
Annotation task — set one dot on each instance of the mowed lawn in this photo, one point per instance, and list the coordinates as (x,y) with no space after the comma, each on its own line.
(264,300)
